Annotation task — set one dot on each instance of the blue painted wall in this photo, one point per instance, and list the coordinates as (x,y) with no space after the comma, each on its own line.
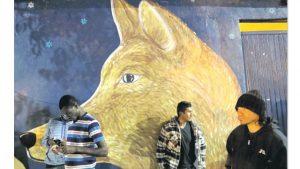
(61,48)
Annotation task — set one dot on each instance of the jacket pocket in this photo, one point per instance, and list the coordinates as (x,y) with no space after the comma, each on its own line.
(262,161)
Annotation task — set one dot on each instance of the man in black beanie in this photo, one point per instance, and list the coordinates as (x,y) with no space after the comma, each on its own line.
(256,143)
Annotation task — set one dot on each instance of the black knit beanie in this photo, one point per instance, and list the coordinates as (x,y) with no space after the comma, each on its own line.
(253,101)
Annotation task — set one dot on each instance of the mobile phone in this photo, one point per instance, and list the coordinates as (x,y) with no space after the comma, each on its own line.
(58,142)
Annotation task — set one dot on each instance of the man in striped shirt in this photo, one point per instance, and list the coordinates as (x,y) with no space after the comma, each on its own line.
(85,140)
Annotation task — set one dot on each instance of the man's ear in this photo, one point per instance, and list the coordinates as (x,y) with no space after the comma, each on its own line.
(180,113)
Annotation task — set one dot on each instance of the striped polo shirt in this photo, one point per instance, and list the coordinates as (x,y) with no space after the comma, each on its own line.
(84,132)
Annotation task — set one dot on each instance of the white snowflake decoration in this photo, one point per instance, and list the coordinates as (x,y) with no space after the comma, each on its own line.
(30,5)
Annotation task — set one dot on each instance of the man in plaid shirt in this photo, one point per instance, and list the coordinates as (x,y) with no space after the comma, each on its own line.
(181,143)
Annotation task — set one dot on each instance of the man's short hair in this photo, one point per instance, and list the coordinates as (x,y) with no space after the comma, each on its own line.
(182,106)
(68,101)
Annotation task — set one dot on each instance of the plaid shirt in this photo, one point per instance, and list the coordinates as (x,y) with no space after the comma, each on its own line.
(169,144)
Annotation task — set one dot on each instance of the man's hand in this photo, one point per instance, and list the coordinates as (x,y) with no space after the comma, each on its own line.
(68,149)
(51,142)
(56,149)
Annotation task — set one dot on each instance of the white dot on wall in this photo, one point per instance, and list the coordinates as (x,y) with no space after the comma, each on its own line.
(231,36)
(272,10)
(30,5)
(26,14)
(264,54)
(192,0)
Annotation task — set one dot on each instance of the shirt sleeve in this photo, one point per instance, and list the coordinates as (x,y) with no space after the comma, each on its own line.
(229,149)
(281,159)
(160,148)
(95,131)
(47,135)
(278,155)
(202,149)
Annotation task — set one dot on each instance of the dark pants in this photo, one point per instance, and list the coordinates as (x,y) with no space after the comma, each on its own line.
(55,166)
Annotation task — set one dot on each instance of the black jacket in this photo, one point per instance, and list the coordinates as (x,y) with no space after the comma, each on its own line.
(265,149)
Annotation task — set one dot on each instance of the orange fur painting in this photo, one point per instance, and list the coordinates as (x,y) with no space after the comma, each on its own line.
(160,61)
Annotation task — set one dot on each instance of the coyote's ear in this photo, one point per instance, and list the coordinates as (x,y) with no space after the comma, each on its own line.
(125,17)
(155,27)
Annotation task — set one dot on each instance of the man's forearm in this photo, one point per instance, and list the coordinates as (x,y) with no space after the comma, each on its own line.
(98,152)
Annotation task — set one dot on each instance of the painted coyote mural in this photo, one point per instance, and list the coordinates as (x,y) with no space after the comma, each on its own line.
(158,63)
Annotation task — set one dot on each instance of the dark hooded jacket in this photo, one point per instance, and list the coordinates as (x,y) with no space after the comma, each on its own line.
(265,149)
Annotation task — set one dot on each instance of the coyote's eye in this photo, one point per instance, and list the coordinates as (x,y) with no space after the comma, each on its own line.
(129,78)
